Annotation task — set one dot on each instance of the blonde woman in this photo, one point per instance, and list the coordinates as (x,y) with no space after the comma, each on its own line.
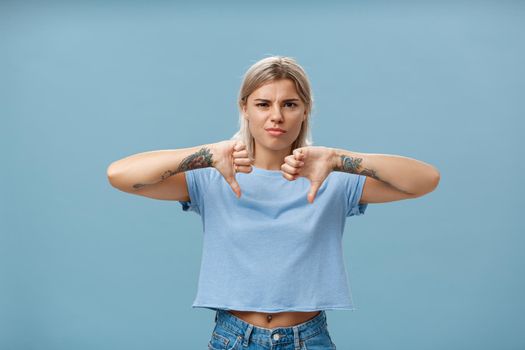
(273,208)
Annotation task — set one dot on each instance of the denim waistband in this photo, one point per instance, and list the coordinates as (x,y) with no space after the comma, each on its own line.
(277,335)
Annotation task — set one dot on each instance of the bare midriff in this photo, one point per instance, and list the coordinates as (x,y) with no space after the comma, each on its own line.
(273,320)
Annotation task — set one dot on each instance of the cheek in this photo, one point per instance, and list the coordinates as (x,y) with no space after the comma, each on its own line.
(256,128)
(296,130)
(298,122)
(256,122)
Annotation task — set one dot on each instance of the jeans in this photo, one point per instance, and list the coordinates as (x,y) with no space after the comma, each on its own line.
(233,333)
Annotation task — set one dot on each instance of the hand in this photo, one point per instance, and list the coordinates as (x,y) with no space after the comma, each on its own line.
(312,162)
(230,157)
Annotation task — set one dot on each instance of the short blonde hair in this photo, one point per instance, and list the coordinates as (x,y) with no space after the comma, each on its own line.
(270,69)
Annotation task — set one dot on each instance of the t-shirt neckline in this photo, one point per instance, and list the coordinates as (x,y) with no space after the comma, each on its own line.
(267,172)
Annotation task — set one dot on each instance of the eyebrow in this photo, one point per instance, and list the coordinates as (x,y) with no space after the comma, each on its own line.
(289,99)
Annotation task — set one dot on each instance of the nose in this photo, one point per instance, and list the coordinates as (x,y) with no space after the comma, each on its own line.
(276,116)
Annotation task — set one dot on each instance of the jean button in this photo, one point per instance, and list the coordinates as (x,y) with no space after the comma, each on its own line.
(276,336)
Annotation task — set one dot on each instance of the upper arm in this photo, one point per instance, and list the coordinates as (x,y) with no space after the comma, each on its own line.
(375,191)
(172,188)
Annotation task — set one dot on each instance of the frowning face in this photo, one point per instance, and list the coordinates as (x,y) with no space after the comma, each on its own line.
(275,113)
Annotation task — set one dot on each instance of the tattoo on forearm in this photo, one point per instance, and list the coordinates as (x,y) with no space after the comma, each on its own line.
(201,159)
(353,165)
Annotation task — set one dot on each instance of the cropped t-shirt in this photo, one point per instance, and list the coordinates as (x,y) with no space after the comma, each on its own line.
(271,250)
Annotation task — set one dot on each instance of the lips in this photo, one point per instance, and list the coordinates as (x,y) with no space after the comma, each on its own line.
(275,131)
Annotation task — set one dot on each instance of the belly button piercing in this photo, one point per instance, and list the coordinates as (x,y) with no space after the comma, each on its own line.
(269,317)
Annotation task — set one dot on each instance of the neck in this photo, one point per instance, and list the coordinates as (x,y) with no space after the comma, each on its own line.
(269,159)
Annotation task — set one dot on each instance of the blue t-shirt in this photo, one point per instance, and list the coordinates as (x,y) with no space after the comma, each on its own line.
(271,250)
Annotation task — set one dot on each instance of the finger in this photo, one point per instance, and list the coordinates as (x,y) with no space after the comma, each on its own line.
(243,154)
(243,168)
(288,176)
(298,154)
(294,162)
(300,157)
(240,154)
(239,146)
(287,168)
(242,161)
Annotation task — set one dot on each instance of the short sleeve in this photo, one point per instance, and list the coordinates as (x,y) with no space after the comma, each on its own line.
(354,189)
(197,181)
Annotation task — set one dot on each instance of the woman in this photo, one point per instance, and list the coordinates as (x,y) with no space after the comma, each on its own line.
(273,209)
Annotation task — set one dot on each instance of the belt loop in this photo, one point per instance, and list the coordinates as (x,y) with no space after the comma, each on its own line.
(247,334)
(296,338)
(216,314)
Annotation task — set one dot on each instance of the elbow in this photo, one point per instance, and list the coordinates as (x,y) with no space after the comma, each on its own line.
(111,173)
(118,179)
(435,179)
(430,185)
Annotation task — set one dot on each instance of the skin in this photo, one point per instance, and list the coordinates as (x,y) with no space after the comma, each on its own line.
(201,159)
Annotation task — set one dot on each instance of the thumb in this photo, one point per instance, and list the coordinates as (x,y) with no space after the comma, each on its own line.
(235,186)
(313,191)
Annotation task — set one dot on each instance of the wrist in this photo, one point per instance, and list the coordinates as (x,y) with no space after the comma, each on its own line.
(335,159)
(212,150)
(348,162)
(202,156)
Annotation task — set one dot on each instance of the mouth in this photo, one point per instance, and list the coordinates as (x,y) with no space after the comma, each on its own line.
(275,132)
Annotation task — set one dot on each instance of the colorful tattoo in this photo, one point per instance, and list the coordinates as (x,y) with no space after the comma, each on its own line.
(201,159)
(352,165)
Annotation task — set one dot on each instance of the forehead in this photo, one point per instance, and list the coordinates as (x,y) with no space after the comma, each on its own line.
(282,88)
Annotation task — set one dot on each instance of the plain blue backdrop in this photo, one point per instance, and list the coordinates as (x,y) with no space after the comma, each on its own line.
(85,266)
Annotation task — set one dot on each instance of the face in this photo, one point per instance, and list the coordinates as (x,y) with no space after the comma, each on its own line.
(275,105)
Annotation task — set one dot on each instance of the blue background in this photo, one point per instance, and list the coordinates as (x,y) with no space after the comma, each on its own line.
(85,266)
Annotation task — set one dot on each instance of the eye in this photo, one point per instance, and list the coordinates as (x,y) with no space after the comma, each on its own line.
(262,104)
(291,103)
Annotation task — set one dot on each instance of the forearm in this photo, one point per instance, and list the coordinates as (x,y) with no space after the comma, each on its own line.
(405,174)
(148,168)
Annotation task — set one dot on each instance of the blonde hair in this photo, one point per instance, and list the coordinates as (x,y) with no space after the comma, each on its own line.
(266,70)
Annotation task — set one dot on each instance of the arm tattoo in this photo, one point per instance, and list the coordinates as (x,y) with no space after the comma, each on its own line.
(352,165)
(201,159)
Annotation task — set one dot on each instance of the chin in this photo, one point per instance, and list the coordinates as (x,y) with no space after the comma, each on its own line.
(274,144)
(277,148)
